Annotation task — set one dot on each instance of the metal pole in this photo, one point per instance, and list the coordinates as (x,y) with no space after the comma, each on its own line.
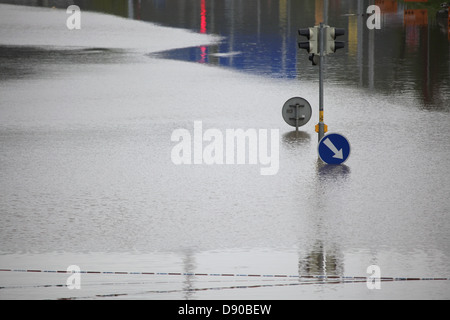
(321,49)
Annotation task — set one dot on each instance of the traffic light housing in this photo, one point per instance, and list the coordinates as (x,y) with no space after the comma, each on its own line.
(314,59)
(312,34)
(331,46)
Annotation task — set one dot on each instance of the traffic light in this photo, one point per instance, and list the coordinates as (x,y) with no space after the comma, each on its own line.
(330,36)
(314,59)
(312,46)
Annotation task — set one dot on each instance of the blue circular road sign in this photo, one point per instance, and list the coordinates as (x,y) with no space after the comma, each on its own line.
(334,149)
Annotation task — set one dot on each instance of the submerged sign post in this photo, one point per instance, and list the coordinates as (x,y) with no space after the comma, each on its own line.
(333,148)
(297,112)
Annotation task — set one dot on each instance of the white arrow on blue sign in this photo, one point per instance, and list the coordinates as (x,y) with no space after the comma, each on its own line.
(334,149)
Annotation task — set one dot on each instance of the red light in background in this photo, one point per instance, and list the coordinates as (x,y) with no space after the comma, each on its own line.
(203,16)
(203,54)
(203,25)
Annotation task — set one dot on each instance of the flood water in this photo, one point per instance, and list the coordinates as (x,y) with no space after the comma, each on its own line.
(87,179)
(408,55)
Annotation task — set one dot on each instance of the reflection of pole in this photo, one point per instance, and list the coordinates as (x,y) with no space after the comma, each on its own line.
(231,41)
(258,13)
(138,16)
(371,56)
(371,59)
(130,9)
(321,49)
(428,57)
(360,42)
(283,12)
(189,267)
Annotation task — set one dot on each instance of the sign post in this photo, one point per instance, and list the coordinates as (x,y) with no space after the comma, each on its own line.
(333,148)
(297,112)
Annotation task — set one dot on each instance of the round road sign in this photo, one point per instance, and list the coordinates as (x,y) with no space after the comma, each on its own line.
(297,112)
(334,149)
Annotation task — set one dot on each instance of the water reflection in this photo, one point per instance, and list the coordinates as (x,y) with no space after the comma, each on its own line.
(325,257)
(25,62)
(321,261)
(410,54)
(333,172)
(295,139)
(189,265)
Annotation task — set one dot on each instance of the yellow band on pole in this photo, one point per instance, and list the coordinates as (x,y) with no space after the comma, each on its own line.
(325,128)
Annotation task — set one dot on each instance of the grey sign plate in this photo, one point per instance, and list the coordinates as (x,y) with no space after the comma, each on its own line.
(297,112)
